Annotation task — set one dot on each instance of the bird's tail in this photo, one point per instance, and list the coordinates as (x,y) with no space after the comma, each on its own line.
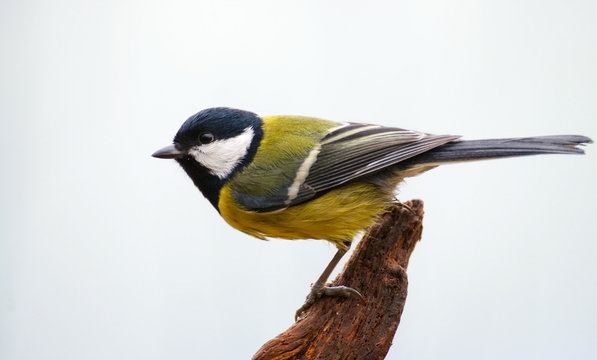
(466,150)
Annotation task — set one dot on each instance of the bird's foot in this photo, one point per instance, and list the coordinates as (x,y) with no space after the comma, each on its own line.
(408,208)
(318,292)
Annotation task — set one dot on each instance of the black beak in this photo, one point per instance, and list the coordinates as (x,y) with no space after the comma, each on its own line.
(169,152)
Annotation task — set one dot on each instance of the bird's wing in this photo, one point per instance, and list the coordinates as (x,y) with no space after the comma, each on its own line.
(357,150)
(347,152)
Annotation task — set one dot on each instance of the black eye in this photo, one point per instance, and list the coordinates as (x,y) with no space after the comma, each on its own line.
(206,138)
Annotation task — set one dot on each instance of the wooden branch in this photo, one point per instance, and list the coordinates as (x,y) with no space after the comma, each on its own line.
(345,328)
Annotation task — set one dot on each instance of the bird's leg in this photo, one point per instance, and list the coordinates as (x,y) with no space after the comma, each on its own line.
(319,289)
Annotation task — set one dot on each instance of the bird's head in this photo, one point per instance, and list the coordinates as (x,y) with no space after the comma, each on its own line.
(213,144)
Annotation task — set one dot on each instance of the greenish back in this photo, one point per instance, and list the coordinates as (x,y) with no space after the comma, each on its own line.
(287,141)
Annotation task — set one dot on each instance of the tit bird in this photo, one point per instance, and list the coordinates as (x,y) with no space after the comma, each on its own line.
(295,177)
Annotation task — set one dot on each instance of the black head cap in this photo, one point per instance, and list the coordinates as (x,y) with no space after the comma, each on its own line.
(221,122)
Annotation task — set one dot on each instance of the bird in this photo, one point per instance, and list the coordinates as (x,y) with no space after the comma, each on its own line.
(296,177)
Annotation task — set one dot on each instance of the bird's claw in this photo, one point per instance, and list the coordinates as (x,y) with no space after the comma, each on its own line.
(316,293)
(343,291)
(408,208)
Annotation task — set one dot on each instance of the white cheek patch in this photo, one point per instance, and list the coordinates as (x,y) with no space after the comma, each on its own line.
(222,156)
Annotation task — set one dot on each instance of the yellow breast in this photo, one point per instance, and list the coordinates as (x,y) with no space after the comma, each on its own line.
(336,216)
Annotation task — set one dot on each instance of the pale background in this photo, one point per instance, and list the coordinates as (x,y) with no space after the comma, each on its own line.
(107,253)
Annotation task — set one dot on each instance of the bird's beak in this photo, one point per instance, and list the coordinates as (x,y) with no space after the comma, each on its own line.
(168,152)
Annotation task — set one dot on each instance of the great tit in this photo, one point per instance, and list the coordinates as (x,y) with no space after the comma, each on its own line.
(295,177)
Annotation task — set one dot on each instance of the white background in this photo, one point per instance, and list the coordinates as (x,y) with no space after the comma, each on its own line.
(107,253)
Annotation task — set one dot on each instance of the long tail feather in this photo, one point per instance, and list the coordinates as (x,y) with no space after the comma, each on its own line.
(496,148)
(468,150)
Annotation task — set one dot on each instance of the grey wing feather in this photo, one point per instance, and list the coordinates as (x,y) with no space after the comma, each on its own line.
(359,150)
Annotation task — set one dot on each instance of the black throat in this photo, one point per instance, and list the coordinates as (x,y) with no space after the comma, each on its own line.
(209,185)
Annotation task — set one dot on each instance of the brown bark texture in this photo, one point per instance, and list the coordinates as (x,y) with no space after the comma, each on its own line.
(346,328)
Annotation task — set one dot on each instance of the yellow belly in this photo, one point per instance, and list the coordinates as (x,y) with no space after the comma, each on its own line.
(336,216)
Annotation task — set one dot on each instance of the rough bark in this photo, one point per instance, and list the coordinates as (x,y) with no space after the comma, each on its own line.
(345,328)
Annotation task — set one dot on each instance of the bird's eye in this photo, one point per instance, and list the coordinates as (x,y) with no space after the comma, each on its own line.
(206,138)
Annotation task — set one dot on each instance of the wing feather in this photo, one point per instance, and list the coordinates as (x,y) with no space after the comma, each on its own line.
(344,158)
(347,152)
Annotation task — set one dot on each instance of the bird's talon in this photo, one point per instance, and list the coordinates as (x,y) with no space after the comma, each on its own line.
(408,208)
(317,293)
(344,291)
